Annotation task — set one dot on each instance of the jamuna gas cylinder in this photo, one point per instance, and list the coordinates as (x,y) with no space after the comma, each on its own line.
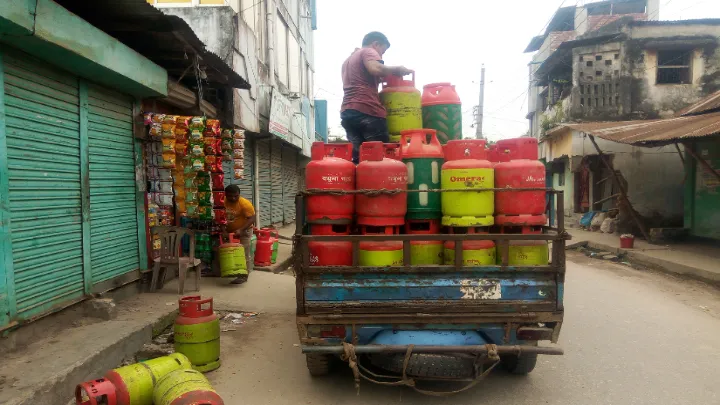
(475,252)
(522,171)
(197,333)
(423,155)
(130,385)
(185,387)
(403,104)
(232,258)
(380,254)
(442,111)
(465,168)
(425,252)
(330,253)
(331,168)
(376,172)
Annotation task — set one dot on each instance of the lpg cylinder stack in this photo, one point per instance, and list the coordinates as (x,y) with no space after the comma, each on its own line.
(521,212)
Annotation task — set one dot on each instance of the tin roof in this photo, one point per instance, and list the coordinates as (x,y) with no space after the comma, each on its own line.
(649,132)
(707,104)
(165,39)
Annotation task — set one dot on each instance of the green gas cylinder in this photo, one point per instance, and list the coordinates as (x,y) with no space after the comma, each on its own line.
(403,104)
(423,155)
(442,111)
(232,258)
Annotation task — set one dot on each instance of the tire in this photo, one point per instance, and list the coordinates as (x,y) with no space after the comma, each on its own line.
(427,365)
(318,364)
(522,365)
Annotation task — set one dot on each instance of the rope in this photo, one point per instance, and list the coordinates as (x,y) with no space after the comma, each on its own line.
(350,356)
(384,191)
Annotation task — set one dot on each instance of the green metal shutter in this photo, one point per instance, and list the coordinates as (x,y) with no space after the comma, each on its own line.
(276,177)
(264,183)
(290,182)
(113,214)
(42,123)
(246,184)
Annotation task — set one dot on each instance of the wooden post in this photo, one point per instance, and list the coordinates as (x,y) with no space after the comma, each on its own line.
(680,153)
(702,161)
(623,192)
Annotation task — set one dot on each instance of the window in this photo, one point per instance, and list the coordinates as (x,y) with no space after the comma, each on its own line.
(673,67)
(608,62)
(598,57)
(561,177)
(281,50)
(589,63)
(310,78)
(294,64)
(253,13)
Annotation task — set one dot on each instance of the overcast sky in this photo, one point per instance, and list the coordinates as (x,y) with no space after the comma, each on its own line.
(447,41)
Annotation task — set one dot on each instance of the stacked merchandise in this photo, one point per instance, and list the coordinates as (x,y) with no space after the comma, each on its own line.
(238,153)
(201,197)
(160,161)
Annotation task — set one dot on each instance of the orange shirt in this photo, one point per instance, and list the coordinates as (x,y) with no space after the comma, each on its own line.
(238,213)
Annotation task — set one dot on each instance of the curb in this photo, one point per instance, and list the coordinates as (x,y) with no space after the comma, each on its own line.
(61,386)
(655,263)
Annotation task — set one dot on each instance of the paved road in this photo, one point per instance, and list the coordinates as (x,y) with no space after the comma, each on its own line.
(630,338)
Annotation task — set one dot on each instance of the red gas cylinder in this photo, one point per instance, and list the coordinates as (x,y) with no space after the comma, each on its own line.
(495,155)
(519,223)
(378,230)
(376,172)
(263,250)
(331,168)
(392,151)
(522,171)
(330,253)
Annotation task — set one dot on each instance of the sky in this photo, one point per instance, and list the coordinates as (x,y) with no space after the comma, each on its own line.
(448,41)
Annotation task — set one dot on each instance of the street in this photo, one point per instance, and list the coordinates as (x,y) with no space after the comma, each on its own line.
(630,337)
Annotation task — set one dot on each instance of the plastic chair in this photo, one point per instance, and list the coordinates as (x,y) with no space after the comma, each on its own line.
(171,257)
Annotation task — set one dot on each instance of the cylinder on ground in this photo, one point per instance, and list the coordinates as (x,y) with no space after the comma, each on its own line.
(466,168)
(523,170)
(380,254)
(197,333)
(130,385)
(331,168)
(442,111)
(185,387)
(376,172)
(403,104)
(423,155)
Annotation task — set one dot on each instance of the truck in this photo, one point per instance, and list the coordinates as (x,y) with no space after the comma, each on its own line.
(408,325)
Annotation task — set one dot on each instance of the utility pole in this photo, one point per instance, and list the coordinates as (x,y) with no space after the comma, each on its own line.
(479,117)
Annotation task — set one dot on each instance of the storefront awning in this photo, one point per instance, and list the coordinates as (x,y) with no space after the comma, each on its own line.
(165,39)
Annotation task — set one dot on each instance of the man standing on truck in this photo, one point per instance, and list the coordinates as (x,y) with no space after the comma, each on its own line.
(362,113)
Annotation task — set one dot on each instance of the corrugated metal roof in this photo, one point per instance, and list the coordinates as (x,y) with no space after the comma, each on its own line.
(709,103)
(649,132)
(165,39)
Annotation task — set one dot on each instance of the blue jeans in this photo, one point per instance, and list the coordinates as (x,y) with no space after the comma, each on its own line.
(361,128)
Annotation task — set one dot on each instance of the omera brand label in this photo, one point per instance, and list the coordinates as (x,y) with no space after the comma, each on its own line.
(468,178)
(337,179)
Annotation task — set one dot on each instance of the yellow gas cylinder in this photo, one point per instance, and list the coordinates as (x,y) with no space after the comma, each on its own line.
(380,254)
(197,332)
(424,252)
(528,253)
(130,385)
(186,387)
(475,253)
(466,168)
(403,103)
(232,258)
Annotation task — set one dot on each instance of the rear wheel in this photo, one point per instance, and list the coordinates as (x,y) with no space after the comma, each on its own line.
(520,365)
(318,364)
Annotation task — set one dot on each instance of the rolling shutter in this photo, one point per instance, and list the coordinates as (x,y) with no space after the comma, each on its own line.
(290,182)
(113,213)
(43,147)
(276,178)
(264,183)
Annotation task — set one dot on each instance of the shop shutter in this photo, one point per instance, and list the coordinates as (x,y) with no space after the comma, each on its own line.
(264,183)
(113,213)
(276,176)
(247,183)
(290,182)
(43,149)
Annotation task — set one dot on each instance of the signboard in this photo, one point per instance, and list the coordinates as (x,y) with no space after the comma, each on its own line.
(281,113)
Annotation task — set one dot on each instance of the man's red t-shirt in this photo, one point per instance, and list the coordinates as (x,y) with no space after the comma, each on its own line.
(360,87)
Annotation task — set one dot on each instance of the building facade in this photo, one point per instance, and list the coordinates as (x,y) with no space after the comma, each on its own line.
(612,61)
(271,44)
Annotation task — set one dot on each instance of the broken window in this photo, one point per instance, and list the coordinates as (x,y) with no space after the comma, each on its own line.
(674,67)
(588,63)
(608,62)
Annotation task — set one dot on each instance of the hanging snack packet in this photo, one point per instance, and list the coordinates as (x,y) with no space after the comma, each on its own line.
(213,125)
(168,131)
(196,149)
(227,134)
(155,130)
(168,145)
(227,156)
(211,145)
(204,198)
(238,143)
(197,163)
(238,163)
(239,173)
(167,160)
(196,135)
(238,153)
(197,123)
(239,134)
(226,144)
(181,149)
(218,181)
(181,134)
(218,199)
(158,118)
(182,121)
(203,183)
(147,118)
